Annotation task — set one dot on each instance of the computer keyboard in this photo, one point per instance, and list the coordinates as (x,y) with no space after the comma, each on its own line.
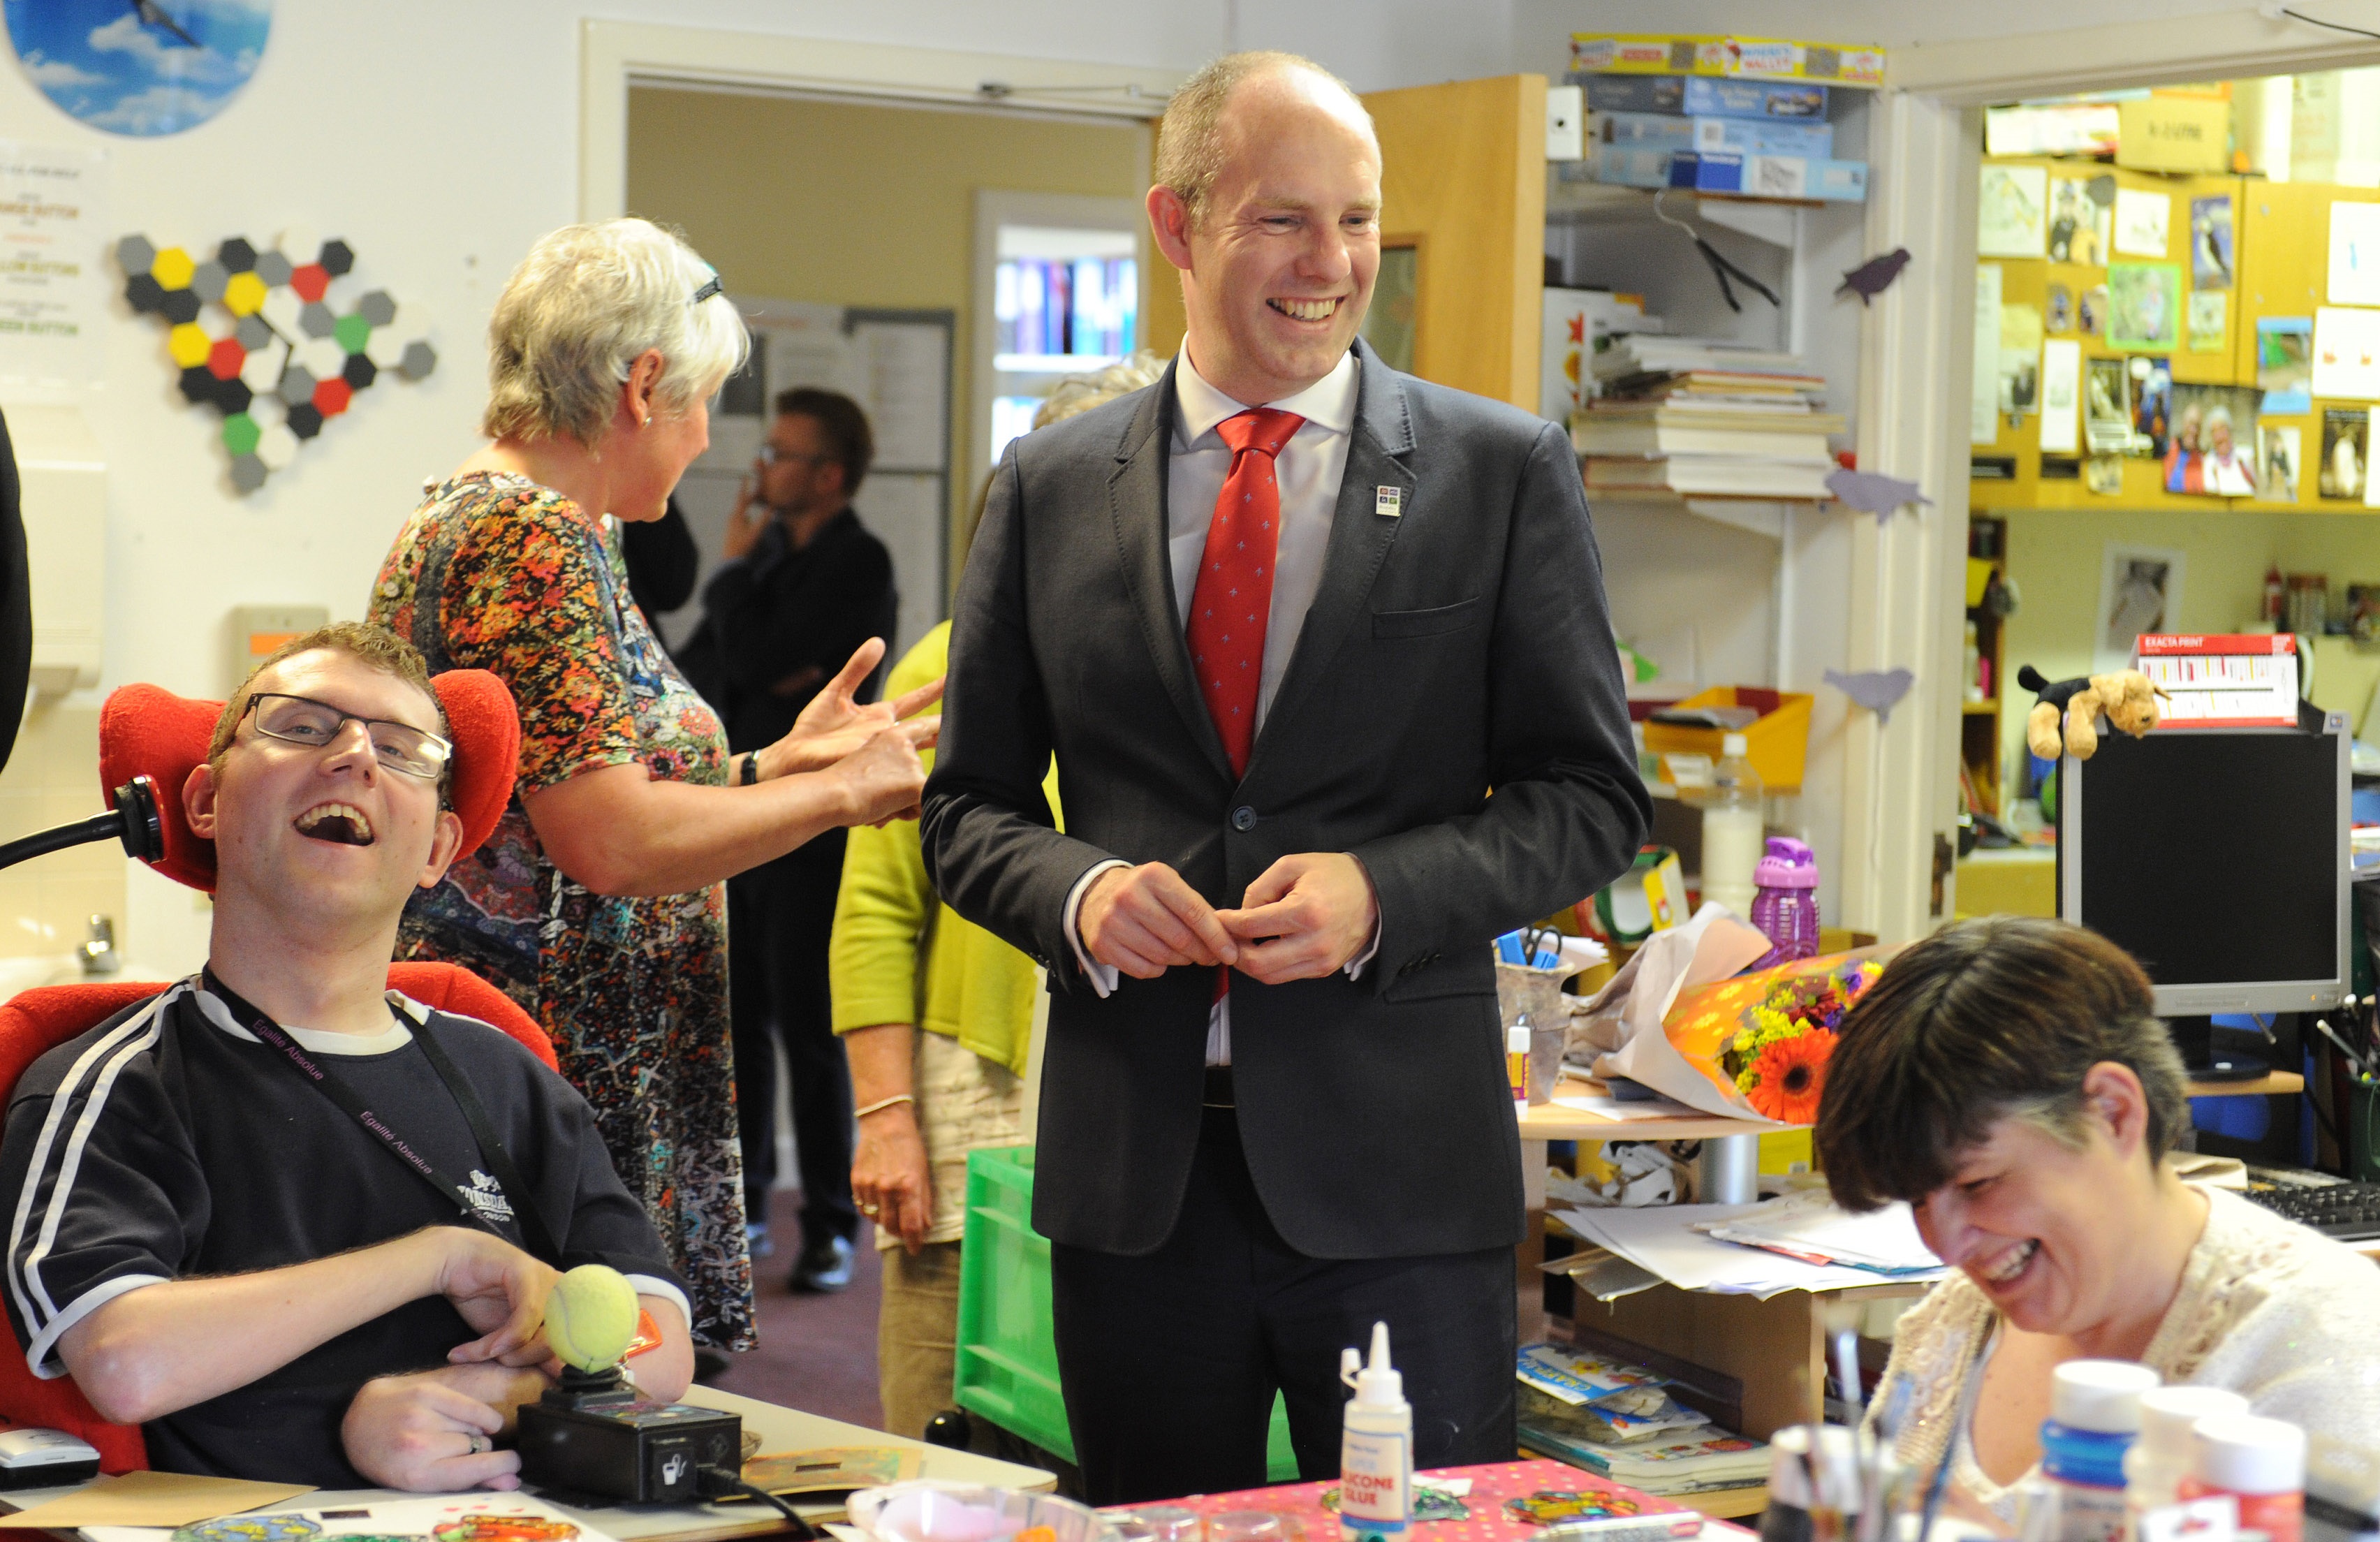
(2338,1207)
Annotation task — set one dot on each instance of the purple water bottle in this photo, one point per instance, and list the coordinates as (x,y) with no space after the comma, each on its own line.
(1785,908)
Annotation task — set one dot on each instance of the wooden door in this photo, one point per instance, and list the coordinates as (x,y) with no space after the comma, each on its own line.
(1463,181)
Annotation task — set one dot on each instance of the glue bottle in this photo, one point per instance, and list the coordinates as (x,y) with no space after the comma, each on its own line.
(2261,1463)
(2094,1416)
(1376,1449)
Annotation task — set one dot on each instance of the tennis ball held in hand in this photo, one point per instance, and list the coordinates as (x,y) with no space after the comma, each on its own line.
(590,1317)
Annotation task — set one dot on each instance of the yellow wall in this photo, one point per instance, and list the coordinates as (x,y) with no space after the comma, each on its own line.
(2054,556)
(843,203)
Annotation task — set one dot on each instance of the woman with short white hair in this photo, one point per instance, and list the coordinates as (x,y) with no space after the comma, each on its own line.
(598,904)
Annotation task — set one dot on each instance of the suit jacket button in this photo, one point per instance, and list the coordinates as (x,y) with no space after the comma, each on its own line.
(1244,818)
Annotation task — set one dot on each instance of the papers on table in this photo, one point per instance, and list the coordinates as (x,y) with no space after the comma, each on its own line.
(1664,1243)
(1810,1228)
(1612,1108)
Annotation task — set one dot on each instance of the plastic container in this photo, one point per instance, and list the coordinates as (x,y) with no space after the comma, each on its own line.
(1375,1448)
(1007,1362)
(1785,906)
(925,1510)
(1734,823)
(2261,1463)
(1779,740)
(2160,1459)
(2094,1416)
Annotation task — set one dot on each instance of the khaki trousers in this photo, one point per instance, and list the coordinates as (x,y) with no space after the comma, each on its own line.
(917,1335)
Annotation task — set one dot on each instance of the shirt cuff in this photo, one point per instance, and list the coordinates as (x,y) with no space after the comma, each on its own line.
(1371,951)
(1102,977)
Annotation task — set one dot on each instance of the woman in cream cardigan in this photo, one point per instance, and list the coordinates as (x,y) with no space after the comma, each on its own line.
(2007,1077)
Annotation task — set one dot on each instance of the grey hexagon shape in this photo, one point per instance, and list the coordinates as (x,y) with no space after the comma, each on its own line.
(253,333)
(247,473)
(135,255)
(297,385)
(419,360)
(208,280)
(316,320)
(377,307)
(273,268)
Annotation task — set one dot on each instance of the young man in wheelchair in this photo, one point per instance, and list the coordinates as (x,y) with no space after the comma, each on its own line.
(299,1226)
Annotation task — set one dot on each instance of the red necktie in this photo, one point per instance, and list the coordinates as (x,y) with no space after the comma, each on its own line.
(1232,599)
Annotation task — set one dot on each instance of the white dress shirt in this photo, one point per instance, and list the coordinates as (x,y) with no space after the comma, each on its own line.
(1308,471)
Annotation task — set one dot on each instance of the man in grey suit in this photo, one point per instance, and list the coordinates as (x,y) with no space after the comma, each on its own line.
(1287,620)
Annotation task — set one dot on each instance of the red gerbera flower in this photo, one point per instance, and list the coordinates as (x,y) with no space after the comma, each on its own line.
(1791,1073)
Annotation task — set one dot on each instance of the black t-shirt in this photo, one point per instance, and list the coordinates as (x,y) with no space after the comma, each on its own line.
(168,1142)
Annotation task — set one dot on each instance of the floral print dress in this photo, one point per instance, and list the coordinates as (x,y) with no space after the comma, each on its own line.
(495,571)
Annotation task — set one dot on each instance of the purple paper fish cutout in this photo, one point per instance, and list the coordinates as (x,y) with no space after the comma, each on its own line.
(1878,690)
(1874,276)
(1872,491)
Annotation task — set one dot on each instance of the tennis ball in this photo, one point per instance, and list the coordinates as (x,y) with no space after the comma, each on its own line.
(590,1317)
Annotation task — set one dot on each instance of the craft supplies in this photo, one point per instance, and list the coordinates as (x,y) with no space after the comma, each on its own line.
(1375,1448)
(2261,1463)
(2094,1416)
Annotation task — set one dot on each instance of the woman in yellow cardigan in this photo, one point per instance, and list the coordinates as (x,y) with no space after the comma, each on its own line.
(937,1069)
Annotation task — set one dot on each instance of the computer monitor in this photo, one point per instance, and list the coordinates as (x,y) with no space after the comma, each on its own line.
(2218,859)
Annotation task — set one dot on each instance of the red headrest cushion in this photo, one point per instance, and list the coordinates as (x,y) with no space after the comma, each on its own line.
(147,730)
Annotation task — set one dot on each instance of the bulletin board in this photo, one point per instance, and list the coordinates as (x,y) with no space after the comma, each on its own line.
(2117,313)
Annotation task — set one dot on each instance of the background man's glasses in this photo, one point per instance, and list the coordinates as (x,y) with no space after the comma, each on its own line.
(299,719)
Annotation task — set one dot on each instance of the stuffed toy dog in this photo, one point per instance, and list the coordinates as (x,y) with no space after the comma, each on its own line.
(2126,695)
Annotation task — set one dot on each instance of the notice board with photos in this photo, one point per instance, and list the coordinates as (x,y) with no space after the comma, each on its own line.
(2235,362)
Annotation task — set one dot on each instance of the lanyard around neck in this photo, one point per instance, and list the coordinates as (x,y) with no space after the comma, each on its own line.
(534,1236)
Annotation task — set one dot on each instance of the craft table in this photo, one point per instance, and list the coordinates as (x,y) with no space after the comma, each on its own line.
(1306,1519)
(781,1429)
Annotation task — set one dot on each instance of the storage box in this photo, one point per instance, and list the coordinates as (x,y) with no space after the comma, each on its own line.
(1778,742)
(1786,176)
(1702,96)
(1574,319)
(1007,1369)
(2174,133)
(1743,136)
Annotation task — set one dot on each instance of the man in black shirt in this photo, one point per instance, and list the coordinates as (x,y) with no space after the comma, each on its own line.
(273,1285)
(804,585)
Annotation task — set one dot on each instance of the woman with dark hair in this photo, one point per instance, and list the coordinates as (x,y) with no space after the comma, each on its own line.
(2009,1079)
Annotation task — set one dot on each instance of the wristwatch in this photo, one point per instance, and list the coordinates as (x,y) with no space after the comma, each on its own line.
(750,775)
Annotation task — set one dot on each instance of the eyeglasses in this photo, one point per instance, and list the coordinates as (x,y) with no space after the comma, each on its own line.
(299,719)
(771,456)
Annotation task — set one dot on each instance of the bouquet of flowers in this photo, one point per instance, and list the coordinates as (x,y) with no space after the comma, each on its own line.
(1765,1037)
(1778,1059)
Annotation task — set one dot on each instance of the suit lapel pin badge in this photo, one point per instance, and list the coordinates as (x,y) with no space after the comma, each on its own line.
(1389,501)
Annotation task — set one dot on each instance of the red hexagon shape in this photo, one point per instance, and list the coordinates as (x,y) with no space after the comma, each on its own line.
(225,359)
(332,398)
(312,282)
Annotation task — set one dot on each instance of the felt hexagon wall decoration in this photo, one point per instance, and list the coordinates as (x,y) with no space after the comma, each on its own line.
(255,332)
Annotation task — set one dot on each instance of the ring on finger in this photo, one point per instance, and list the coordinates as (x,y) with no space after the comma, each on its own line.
(480,1443)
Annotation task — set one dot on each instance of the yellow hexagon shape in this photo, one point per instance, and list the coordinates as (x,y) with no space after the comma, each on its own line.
(244,295)
(189,344)
(173,268)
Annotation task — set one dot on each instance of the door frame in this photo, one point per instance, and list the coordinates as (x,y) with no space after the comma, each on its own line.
(1907,600)
(616,56)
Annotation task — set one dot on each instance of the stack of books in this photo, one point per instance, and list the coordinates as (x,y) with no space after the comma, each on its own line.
(1702,417)
(1617,1421)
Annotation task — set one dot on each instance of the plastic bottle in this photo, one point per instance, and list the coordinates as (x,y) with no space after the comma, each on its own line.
(2095,1415)
(1785,904)
(2160,1459)
(2259,1462)
(1733,824)
(1375,1448)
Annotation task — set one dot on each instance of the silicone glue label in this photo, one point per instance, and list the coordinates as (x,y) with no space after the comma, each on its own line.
(1375,1486)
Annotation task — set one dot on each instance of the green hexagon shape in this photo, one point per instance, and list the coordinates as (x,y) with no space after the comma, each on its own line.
(240,433)
(352,332)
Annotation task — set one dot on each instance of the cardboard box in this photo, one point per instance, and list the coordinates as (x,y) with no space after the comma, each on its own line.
(1574,319)
(1743,136)
(1705,96)
(2174,133)
(1813,141)
(1782,176)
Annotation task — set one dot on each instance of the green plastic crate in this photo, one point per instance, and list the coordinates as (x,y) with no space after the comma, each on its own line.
(1007,1357)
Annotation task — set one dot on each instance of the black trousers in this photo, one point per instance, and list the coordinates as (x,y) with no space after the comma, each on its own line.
(1169,1361)
(779,915)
